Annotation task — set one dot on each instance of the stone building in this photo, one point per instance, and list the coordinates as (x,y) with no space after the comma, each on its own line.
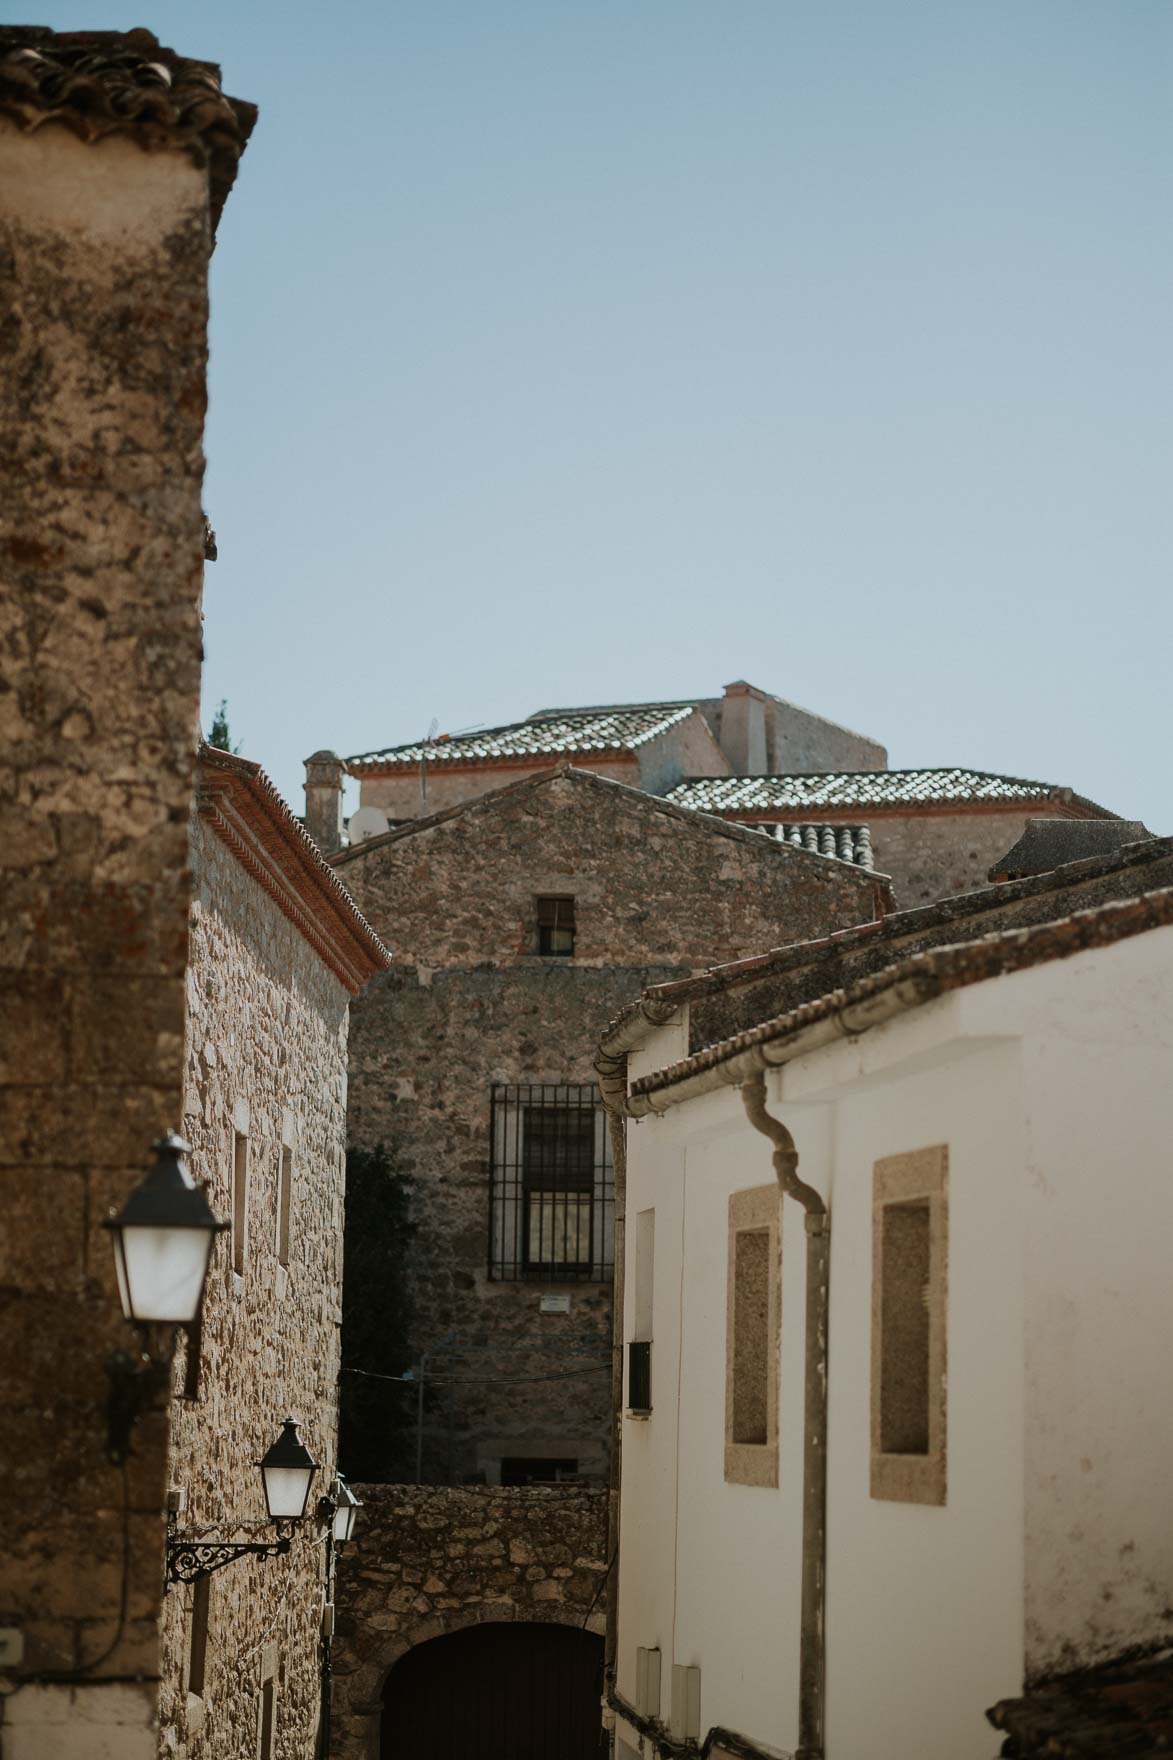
(936,832)
(116,156)
(652,746)
(277,950)
(747,756)
(518,920)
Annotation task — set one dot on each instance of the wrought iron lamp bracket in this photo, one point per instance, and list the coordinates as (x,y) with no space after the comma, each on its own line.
(189,1559)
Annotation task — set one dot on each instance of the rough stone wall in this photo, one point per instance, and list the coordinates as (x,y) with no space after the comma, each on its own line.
(798,742)
(934,855)
(799,974)
(658,894)
(103,255)
(266,1057)
(430,1561)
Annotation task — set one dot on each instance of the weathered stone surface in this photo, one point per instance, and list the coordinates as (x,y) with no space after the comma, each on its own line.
(266,1058)
(412,1532)
(103,261)
(658,893)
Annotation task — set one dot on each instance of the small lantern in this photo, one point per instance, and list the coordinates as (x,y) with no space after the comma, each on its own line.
(346,1504)
(163,1239)
(287,1470)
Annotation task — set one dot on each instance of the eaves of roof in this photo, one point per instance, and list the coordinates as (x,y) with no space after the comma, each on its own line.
(660,1001)
(879,884)
(238,802)
(101,83)
(876,792)
(877,998)
(601,734)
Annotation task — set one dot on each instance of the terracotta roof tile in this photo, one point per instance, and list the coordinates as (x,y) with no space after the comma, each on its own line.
(98,83)
(743,795)
(544,735)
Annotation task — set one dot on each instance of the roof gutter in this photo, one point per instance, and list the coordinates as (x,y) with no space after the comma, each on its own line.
(847,1022)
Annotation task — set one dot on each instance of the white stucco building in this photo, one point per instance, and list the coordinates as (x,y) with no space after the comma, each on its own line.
(988,1128)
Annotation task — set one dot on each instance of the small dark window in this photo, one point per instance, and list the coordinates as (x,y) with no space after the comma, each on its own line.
(197,1658)
(556,927)
(523,1470)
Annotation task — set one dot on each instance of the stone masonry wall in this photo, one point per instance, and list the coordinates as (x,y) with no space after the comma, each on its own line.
(720,1007)
(659,894)
(103,257)
(935,855)
(266,1058)
(429,1561)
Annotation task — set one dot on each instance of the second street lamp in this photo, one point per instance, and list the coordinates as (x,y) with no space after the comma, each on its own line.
(287,1468)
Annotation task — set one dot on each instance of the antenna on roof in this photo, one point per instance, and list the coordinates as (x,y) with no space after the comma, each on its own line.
(428,742)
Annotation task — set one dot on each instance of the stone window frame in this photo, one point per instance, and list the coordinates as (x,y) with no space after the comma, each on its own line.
(920,1177)
(755,1210)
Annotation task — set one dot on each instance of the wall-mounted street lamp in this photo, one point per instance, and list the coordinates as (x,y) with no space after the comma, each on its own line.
(163,1238)
(339,1507)
(287,1469)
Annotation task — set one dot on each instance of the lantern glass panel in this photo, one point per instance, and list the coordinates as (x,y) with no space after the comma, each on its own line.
(343,1522)
(287,1491)
(161,1271)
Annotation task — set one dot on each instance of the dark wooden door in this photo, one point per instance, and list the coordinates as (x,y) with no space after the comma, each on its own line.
(497,1692)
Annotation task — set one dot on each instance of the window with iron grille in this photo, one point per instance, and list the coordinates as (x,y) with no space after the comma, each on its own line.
(552,1184)
(556,927)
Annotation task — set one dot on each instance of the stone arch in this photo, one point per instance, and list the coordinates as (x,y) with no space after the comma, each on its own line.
(429,1561)
(522,1687)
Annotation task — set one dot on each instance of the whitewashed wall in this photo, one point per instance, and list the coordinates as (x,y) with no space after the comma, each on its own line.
(1051,1089)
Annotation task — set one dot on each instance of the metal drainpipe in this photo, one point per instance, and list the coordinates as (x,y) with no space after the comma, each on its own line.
(812,1641)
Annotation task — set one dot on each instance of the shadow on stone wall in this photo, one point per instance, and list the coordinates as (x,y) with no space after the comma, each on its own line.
(428,1560)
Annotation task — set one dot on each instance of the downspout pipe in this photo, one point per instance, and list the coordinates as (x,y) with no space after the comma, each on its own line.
(812,1638)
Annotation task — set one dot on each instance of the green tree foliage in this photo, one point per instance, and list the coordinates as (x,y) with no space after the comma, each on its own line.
(377,1418)
(220,736)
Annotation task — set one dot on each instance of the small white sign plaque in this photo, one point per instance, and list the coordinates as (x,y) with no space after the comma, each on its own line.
(555,1305)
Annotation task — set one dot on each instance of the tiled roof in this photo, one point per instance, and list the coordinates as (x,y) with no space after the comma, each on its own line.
(851,843)
(924,976)
(1051,843)
(98,83)
(545,735)
(867,788)
(1123,1708)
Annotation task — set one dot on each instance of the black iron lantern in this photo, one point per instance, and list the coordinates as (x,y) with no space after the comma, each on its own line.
(346,1506)
(287,1470)
(163,1238)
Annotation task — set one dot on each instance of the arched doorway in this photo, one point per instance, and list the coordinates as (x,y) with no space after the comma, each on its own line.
(496,1692)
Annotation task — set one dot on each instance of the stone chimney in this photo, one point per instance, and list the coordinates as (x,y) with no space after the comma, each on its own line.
(323,800)
(743,728)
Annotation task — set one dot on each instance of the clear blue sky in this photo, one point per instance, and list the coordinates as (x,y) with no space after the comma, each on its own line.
(570,352)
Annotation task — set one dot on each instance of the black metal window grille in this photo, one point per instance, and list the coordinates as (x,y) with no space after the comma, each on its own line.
(552,1184)
(556,927)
